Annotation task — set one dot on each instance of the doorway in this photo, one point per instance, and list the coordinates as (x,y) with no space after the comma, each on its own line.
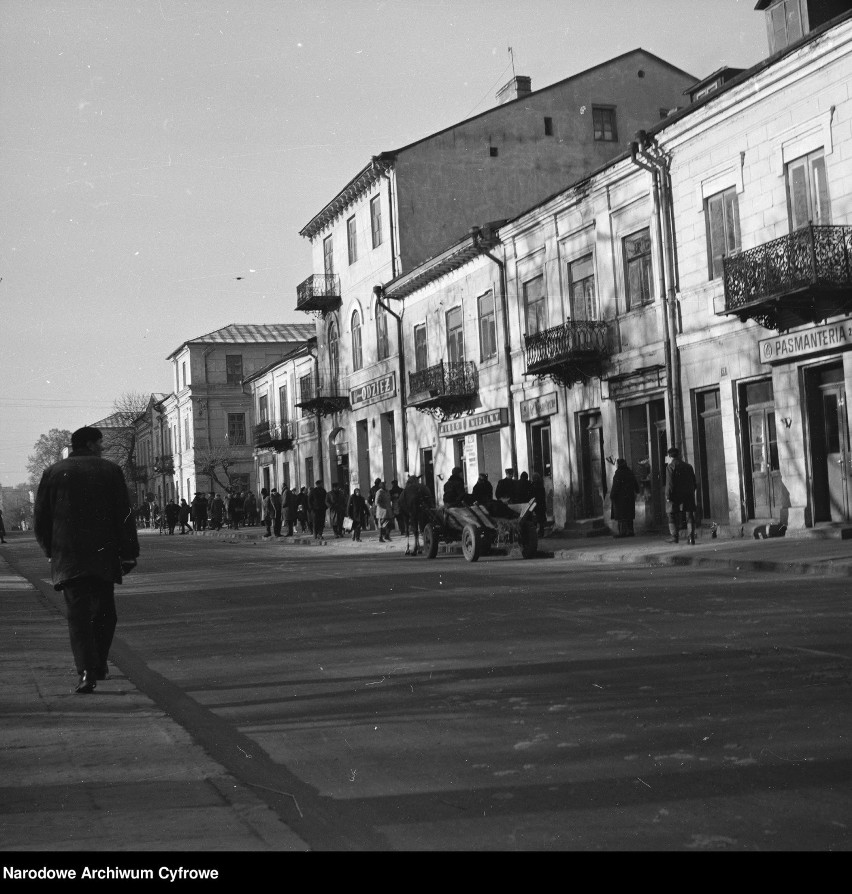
(362,436)
(645,443)
(592,480)
(427,469)
(542,460)
(713,485)
(830,449)
(760,449)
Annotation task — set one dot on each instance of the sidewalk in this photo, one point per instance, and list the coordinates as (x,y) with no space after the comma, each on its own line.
(80,773)
(787,555)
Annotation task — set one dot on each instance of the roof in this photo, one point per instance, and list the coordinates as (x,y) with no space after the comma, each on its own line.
(365,178)
(114,420)
(725,71)
(252,334)
(296,354)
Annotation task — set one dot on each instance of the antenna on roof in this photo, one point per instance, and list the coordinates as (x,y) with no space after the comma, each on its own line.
(512,57)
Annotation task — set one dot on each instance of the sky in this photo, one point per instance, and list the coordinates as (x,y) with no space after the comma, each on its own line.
(158,158)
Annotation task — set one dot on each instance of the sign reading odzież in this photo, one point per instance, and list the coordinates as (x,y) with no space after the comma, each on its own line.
(375,389)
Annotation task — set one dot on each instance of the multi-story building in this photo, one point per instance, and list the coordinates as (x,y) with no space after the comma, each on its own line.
(407,205)
(696,291)
(145,482)
(206,441)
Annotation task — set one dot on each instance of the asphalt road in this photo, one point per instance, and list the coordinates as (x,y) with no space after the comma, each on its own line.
(379,702)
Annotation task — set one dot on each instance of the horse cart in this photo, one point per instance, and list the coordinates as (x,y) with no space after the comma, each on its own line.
(508,528)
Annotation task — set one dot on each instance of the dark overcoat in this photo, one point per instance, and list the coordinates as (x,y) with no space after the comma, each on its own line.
(83,519)
(623,494)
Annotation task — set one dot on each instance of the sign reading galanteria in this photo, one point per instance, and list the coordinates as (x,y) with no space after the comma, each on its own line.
(474,422)
(375,389)
(832,337)
(536,407)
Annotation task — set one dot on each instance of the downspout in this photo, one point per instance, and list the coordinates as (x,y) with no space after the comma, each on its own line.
(318,415)
(661,265)
(379,292)
(476,232)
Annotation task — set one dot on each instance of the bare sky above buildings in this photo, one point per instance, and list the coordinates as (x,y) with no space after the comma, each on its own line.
(159,157)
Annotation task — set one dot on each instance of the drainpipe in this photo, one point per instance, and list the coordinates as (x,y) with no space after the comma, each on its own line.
(318,415)
(476,232)
(655,167)
(379,292)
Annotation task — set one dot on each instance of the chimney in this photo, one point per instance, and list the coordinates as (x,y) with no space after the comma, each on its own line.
(516,88)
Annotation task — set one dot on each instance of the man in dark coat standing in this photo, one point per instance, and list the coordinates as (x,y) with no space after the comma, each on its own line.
(622,495)
(335,501)
(316,500)
(680,495)
(84,524)
(277,509)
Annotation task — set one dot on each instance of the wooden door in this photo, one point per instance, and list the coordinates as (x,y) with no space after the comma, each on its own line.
(711,457)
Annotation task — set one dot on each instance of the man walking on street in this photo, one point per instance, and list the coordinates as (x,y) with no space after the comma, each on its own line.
(275,499)
(84,524)
(680,495)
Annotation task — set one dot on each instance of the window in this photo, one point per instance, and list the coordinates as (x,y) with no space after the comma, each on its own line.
(183,373)
(723,229)
(535,305)
(186,443)
(807,190)
(234,369)
(263,408)
(603,120)
(382,332)
(493,151)
(305,391)
(237,429)
(421,350)
(376,220)
(351,240)
(638,270)
(455,335)
(328,255)
(283,404)
(333,355)
(487,327)
(785,24)
(548,126)
(581,278)
(357,356)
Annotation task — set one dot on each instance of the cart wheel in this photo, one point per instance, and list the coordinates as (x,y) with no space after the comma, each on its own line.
(470,543)
(430,542)
(528,536)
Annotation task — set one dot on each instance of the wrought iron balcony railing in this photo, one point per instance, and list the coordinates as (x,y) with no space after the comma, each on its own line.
(320,292)
(444,389)
(324,394)
(786,281)
(263,434)
(165,464)
(570,352)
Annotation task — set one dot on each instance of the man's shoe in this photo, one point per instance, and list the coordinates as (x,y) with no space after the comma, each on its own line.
(102,672)
(87,682)
(692,539)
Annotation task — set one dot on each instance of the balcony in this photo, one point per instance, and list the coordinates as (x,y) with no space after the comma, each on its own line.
(323,395)
(445,389)
(319,293)
(138,472)
(273,436)
(574,351)
(165,464)
(800,278)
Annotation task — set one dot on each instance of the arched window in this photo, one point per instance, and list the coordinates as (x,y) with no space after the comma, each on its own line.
(357,358)
(333,355)
(382,343)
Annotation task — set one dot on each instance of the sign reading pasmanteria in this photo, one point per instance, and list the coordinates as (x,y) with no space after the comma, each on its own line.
(474,422)
(536,407)
(832,337)
(375,389)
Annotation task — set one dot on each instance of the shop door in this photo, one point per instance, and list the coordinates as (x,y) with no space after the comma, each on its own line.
(490,457)
(362,437)
(763,471)
(711,457)
(427,469)
(591,463)
(542,461)
(645,439)
(830,449)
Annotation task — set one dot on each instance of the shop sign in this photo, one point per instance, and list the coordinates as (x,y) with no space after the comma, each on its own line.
(375,389)
(474,422)
(833,337)
(307,427)
(535,408)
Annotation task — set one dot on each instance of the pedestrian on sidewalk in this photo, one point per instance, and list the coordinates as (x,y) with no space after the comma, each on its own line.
(84,525)
(540,497)
(680,495)
(623,498)
(416,497)
(335,501)
(183,516)
(171,513)
(384,512)
(235,509)
(277,504)
(217,511)
(2,528)
(302,510)
(289,509)
(356,509)
(266,512)
(395,492)
(198,509)
(316,502)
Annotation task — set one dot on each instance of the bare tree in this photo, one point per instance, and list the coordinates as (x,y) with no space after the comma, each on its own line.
(215,461)
(47,451)
(119,429)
